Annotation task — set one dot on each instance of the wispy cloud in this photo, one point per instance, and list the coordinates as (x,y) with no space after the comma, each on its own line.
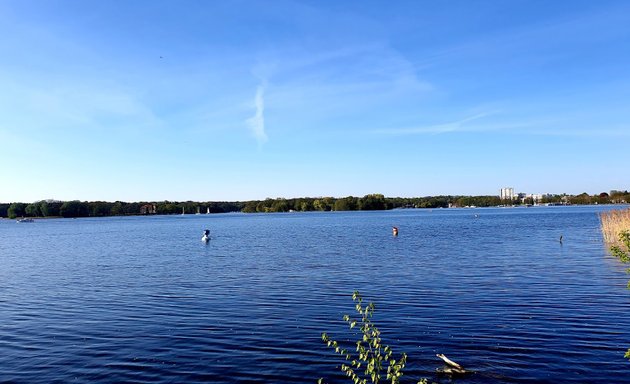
(556,126)
(84,108)
(256,123)
(331,81)
(603,132)
(453,126)
(519,41)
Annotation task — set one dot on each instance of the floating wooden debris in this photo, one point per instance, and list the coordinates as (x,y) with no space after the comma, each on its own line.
(452,367)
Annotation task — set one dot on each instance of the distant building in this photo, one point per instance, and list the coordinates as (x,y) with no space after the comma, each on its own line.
(507,193)
(536,197)
(148,209)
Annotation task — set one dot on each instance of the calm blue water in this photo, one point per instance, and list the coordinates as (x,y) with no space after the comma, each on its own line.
(142,299)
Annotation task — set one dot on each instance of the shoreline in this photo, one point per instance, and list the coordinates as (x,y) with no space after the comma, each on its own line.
(552,206)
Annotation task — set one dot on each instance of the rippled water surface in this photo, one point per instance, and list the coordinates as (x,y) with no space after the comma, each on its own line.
(142,299)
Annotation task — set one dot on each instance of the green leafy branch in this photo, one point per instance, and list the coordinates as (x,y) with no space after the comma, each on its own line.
(367,363)
(618,251)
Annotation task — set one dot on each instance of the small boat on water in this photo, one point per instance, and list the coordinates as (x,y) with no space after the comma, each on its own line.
(25,220)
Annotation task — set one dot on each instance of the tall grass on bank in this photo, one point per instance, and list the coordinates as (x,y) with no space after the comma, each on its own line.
(614,224)
(616,231)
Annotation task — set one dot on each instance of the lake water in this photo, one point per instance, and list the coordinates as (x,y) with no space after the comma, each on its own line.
(142,299)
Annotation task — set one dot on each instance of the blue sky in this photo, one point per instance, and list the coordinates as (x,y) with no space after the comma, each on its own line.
(237,100)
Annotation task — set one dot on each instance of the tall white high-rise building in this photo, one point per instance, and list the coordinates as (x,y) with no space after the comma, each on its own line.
(507,193)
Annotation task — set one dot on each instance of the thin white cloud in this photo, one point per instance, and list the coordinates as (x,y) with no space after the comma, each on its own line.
(458,125)
(522,40)
(326,81)
(27,108)
(256,123)
(605,132)
(542,127)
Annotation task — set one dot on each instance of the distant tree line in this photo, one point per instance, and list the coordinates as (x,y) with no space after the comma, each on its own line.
(77,208)
(369,202)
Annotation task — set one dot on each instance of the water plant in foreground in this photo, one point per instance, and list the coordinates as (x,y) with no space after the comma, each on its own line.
(623,255)
(367,363)
(622,252)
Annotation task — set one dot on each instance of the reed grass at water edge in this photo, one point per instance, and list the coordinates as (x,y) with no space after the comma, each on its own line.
(616,232)
(613,223)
